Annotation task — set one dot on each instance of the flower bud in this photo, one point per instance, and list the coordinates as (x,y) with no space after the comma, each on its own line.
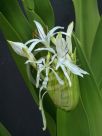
(64,96)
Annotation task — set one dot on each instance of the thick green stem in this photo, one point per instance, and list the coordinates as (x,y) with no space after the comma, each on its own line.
(61,123)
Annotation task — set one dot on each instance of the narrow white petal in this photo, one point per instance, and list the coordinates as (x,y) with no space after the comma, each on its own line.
(42,111)
(64,33)
(32,46)
(68,36)
(66,74)
(40,69)
(31,41)
(61,82)
(70,28)
(17,47)
(69,44)
(38,78)
(46,49)
(45,82)
(40,97)
(44,119)
(75,69)
(51,32)
(53,39)
(58,65)
(49,37)
(47,71)
(59,45)
(52,59)
(40,30)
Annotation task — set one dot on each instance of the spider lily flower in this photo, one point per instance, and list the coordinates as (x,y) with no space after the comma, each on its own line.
(42,37)
(67,96)
(64,55)
(18,48)
(59,61)
(46,37)
(22,50)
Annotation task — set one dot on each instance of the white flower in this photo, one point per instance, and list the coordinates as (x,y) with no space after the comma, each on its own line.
(42,38)
(18,48)
(64,53)
(69,36)
(46,37)
(60,56)
(22,50)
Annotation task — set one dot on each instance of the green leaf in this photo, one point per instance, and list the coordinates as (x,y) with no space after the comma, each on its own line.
(86,119)
(32,15)
(72,123)
(96,55)
(29,4)
(10,33)
(90,95)
(51,125)
(87,20)
(4,131)
(15,17)
(44,10)
(7,29)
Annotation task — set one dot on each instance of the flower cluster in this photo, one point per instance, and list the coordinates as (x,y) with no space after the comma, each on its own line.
(59,55)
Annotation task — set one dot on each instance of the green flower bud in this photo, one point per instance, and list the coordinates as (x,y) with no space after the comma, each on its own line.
(64,96)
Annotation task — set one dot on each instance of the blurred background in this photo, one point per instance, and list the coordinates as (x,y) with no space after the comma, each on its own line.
(18,112)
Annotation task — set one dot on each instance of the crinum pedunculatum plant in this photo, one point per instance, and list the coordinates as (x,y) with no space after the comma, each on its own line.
(56,70)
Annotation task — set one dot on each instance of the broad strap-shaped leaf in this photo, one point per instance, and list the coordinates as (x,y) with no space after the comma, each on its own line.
(45,11)
(90,96)
(51,125)
(10,33)
(7,29)
(29,4)
(15,17)
(4,131)
(96,55)
(73,123)
(87,19)
(31,14)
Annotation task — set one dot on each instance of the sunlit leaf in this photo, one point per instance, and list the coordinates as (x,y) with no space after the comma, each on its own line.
(96,55)
(90,96)
(87,19)
(73,123)
(7,29)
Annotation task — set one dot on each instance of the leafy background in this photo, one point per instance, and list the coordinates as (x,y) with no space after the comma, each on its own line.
(18,109)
